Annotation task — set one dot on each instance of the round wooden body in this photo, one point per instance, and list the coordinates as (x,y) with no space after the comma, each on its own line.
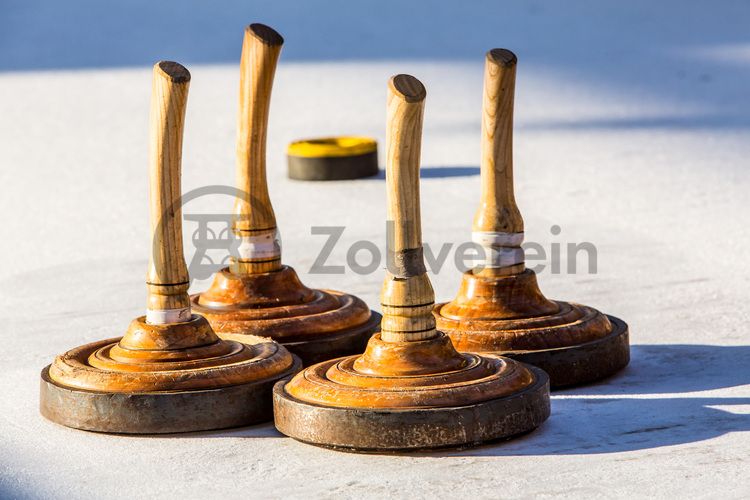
(316,325)
(163,379)
(411,395)
(509,316)
(367,429)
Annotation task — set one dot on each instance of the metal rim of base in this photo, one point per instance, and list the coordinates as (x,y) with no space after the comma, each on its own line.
(399,430)
(336,345)
(159,412)
(583,363)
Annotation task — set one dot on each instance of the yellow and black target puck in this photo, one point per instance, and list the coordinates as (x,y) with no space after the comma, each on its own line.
(332,158)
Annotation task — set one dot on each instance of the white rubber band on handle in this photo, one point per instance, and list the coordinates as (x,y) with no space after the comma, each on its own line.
(500,249)
(490,238)
(259,246)
(168,316)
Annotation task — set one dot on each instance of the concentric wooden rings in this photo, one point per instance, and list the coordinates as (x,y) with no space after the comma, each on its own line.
(117,385)
(313,324)
(419,426)
(509,316)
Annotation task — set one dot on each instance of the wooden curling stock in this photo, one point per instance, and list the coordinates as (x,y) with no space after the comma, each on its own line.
(169,372)
(410,389)
(499,307)
(255,221)
(256,294)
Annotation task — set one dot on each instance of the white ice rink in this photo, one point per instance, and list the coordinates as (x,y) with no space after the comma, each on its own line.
(632,132)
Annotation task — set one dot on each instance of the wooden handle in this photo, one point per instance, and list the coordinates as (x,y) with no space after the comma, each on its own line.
(406,97)
(255,221)
(167,279)
(498,225)
(407,296)
(498,211)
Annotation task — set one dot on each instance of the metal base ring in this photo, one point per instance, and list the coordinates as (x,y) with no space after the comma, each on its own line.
(362,429)
(159,412)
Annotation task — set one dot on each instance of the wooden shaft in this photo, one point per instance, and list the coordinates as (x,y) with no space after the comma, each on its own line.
(406,97)
(498,211)
(498,225)
(407,297)
(255,222)
(167,278)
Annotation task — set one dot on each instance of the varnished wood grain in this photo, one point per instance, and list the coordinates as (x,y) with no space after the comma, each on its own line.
(406,98)
(407,296)
(408,367)
(499,308)
(167,272)
(253,210)
(169,356)
(256,294)
(498,211)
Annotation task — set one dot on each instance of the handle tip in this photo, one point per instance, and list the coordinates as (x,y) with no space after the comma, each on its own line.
(174,72)
(502,57)
(265,34)
(408,88)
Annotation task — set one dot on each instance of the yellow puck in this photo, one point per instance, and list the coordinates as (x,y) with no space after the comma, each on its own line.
(333,158)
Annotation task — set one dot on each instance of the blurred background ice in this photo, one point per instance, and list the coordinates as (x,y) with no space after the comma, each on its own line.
(691,57)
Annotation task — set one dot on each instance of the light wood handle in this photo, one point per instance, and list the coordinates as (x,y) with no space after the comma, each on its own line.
(167,278)
(407,296)
(498,211)
(261,47)
(255,221)
(406,97)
